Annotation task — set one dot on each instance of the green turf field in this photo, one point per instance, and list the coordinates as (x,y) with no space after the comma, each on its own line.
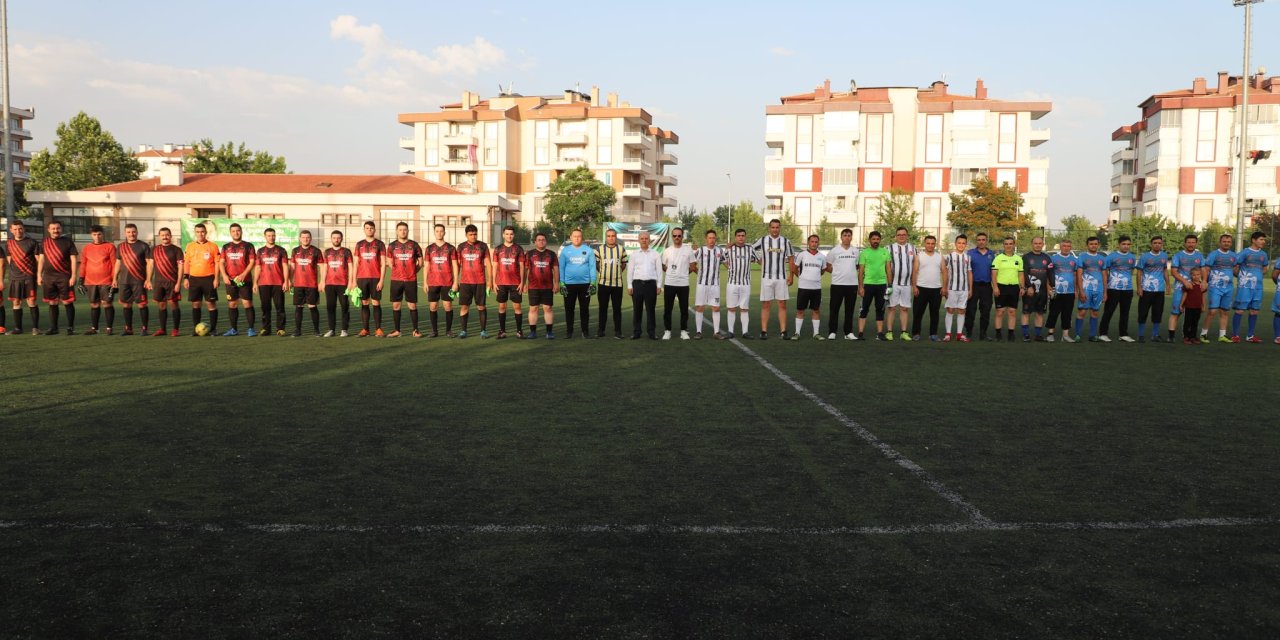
(443,488)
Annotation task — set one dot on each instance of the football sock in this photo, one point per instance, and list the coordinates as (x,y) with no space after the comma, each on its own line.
(730,318)
(164,316)
(435,321)
(128,317)
(799,325)
(413,318)
(297,318)
(213,320)
(250,315)
(519,322)
(1235,324)
(95,314)
(715,321)
(1093,327)
(196,314)
(234,314)
(815,326)
(53,317)
(742,317)
(395,315)
(146,315)
(484,319)
(502,321)
(448,320)
(377,316)
(1026,331)
(1253,325)
(364,316)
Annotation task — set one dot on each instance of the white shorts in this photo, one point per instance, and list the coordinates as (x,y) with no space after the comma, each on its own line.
(707,296)
(772,289)
(738,296)
(957,299)
(901,297)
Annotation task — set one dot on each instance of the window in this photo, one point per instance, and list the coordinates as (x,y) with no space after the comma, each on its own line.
(433,144)
(978,148)
(933,137)
(838,149)
(775,124)
(1202,213)
(1205,180)
(1207,136)
(804,180)
(490,143)
(873,180)
(773,176)
(1039,177)
(834,177)
(870,207)
(932,213)
(835,203)
(491,181)
(804,209)
(933,179)
(1152,152)
(605,177)
(1262,143)
(573,127)
(1008,148)
(804,139)
(875,137)
(604,142)
(965,177)
(969,119)
(1007,176)
(542,142)
(1171,118)
(541,180)
(1264,113)
(840,121)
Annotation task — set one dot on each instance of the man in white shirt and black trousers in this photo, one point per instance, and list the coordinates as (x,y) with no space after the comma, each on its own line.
(843,263)
(677,262)
(644,267)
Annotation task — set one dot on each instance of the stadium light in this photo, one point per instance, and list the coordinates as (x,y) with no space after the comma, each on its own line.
(1245,78)
(8,153)
(728,231)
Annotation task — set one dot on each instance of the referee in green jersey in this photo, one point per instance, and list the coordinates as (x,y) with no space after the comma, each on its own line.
(611,262)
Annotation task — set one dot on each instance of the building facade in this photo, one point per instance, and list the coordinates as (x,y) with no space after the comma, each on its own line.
(1180,159)
(837,154)
(155,157)
(321,203)
(515,146)
(19,137)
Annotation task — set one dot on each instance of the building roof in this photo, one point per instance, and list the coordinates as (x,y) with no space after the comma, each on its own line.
(287,183)
(160,153)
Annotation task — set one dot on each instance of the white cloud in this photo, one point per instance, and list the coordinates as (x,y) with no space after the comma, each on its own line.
(782,51)
(379,51)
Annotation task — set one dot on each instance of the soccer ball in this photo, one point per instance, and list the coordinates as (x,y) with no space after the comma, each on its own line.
(202,329)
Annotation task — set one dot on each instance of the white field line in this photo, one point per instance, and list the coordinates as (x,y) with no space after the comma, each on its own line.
(650,529)
(889,452)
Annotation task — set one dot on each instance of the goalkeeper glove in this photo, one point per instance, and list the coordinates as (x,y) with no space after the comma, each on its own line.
(591,290)
(563,289)
(453,294)
(888,291)
(80,286)
(354,294)
(112,297)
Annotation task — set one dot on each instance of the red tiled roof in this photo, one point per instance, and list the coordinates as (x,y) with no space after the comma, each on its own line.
(287,183)
(159,153)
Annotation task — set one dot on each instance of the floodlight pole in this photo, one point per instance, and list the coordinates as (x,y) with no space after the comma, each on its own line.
(8,152)
(728,229)
(1246,78)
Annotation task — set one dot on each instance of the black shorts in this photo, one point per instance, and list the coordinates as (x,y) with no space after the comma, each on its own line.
(133,292)
(200,288)
(57,288)
(808,299)
(471,292)
(369,288)
(509,292)
(22,288)
(237,292)
(542,297)
(1008,298)
(1036,302)
(436,294)
(163,291)
(99,292)
(407,291)
(306,296)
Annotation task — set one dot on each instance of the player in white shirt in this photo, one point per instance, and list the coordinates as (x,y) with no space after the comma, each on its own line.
(677,263)
(808,266)
(708,258)
(843,262)
(738,260)
(957,285)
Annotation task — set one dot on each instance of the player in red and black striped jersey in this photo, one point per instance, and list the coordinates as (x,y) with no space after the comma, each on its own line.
(543,274)
(473,279)
(55,273)
(21,257)
(236,264)
(508,275)
(169,268)
(406,261)
(304,263)
(371,263)
(98,266)
(133,277)
(271,280)
(442,272)
(338,277)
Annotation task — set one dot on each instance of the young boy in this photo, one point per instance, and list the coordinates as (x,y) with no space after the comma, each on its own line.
(1192,303)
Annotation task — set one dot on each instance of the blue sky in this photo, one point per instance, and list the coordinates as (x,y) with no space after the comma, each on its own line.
(322,82)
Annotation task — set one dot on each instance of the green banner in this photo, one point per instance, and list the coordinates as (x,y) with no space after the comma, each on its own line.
(629,234)
(219,230)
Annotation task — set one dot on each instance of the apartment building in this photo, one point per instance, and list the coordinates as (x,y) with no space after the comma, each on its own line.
(1180,159)
(19,136)
(156,157)
(836,154)
(515,146)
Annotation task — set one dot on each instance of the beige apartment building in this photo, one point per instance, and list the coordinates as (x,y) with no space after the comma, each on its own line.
(836,154)
(155,157)
(1180,159)
(515,146)
(19,136)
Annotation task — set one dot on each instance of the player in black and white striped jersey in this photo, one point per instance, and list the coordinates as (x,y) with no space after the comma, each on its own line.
(774,253)
(957,285)
(709,258)
(738,260)
(902,255)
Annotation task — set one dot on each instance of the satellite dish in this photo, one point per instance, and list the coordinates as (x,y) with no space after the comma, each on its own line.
(853,86)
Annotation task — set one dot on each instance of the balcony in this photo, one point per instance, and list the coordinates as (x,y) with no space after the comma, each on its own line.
(564,164)
(574,139)
(668,180)
(458,139)
(636,191)
(465,188)
(21,175)
(666,201)
(632,215)
(458,164)
(776,156)
(20,153)
(408,143)
(19,132)
(1039,137)
(635,163)
(668,158)
(775,139)
(637,139)
(1124,154)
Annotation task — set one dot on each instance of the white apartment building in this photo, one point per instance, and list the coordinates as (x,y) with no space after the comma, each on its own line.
(1180,159)
(515,146)
(836,154)
(156,157)
(19,136)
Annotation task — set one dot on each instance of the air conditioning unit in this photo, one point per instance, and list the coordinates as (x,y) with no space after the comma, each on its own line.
(1115,199)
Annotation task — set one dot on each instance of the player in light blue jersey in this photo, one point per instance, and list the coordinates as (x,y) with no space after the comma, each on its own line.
(1275,301)
(1154,267)
(1251,267)
(1182,264)
(1119,294)
(1092,287)
(1062,272)
(1221,263)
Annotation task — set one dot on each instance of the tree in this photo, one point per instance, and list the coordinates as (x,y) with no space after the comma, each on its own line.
(1211,232)
(577,200)
(986,207)
(1077,229)
(84,156)
(898,209)
(828,232)
(686,218)
(1141,229)
(229,159)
